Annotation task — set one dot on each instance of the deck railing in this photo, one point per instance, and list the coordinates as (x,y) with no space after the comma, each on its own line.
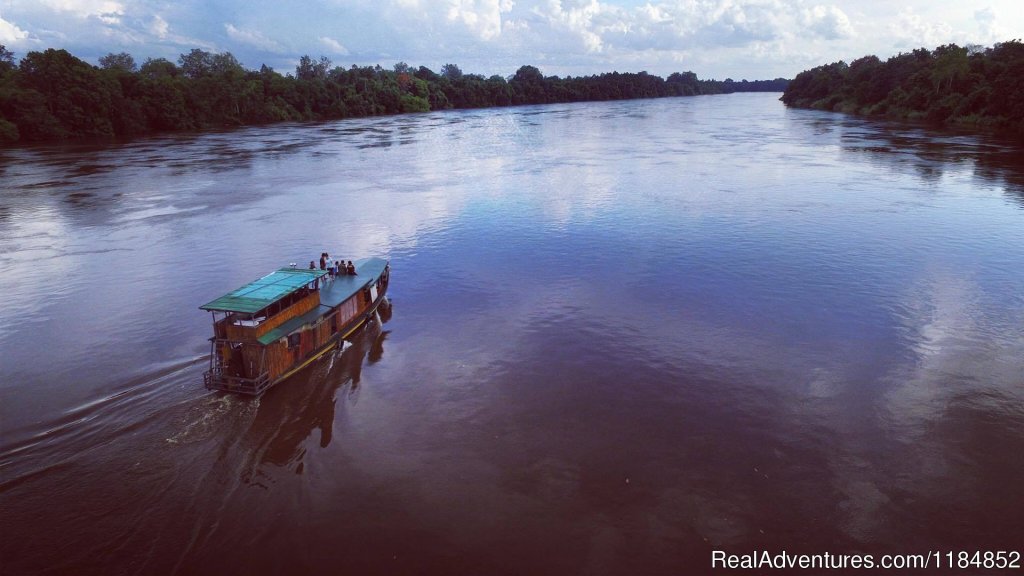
(215,379)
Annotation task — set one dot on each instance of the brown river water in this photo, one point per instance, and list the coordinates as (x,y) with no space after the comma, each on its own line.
(624,337)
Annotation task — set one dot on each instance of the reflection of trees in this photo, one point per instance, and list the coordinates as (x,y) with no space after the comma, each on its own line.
(290,412)
(995,162)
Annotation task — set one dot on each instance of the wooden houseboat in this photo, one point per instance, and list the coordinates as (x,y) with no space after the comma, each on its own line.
(271,328)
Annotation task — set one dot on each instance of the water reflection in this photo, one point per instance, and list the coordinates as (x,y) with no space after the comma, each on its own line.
(292,412)
(629,332)
(993,161)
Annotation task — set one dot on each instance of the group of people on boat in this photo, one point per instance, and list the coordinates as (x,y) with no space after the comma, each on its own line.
(334,268)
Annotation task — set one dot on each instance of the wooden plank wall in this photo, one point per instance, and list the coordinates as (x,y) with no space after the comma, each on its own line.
(280,358)
(251,333)
(299,308)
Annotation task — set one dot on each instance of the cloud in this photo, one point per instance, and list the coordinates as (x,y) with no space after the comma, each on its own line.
(827,22)
(577,20)
(588,36)
(252,38)
(106,11)
(987,19)
(481,17)
(912,31)
(714,38)
(333,45)
(159,27)
(10,34)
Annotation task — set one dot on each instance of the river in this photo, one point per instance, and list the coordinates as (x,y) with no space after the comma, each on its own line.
(623,336)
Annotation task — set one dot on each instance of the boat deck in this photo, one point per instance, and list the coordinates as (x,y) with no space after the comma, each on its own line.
(332,293)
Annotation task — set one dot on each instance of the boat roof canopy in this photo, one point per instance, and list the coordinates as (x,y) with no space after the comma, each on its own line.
(261,293)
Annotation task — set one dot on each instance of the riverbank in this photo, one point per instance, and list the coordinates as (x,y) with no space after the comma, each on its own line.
(54,96)
(950,85)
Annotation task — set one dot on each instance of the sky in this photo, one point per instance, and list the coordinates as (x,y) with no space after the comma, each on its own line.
(739,39)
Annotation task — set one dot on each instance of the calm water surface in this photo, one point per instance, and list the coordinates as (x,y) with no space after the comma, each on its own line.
(623,335)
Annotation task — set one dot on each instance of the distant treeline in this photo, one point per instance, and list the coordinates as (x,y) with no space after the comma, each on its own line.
(951,84)
(52,95)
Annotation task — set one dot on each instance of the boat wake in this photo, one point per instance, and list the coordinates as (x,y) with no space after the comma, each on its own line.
(131,408)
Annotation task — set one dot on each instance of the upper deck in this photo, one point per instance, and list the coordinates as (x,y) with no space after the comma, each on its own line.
(332,294)
(343,287)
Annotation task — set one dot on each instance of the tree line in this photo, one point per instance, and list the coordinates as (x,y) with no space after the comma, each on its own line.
(969,85)
(52,95)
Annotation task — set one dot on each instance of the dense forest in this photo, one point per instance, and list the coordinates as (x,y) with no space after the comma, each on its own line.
(951,84)
(52,95)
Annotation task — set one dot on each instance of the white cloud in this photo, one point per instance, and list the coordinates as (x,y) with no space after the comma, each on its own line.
(159,27)
(480,17)
(10,34)
(106,11)
(988,25)
(333,45)
(828,22)
(252,38)
(912,31)
(714,38)
(576,19)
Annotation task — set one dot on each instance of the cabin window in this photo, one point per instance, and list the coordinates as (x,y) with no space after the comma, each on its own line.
(334,323)
(294,339)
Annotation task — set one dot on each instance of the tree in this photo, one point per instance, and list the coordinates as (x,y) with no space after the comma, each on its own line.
(122,61)
(196,64)
(451,72)
(529,86)
(684,84)
(75,93)
(6,59)
(226,63)
(309,69)
(950,66)
(158,68)
(424,73)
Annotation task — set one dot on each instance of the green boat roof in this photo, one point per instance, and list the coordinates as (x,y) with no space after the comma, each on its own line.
(261,293)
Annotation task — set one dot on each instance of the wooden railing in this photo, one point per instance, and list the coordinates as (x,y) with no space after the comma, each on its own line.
(215,379)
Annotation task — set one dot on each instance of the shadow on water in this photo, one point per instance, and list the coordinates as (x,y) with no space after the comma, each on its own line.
(290,414)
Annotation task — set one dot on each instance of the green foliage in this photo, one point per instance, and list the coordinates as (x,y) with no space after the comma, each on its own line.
(6,59)
(8,132)
(410,103)
(122,61)
(196,64)
(951,84)
(52,95)
(309,69)
(75,93)
(159,68)
(451,72)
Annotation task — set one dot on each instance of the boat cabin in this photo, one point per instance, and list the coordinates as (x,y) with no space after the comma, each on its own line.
(272,327)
